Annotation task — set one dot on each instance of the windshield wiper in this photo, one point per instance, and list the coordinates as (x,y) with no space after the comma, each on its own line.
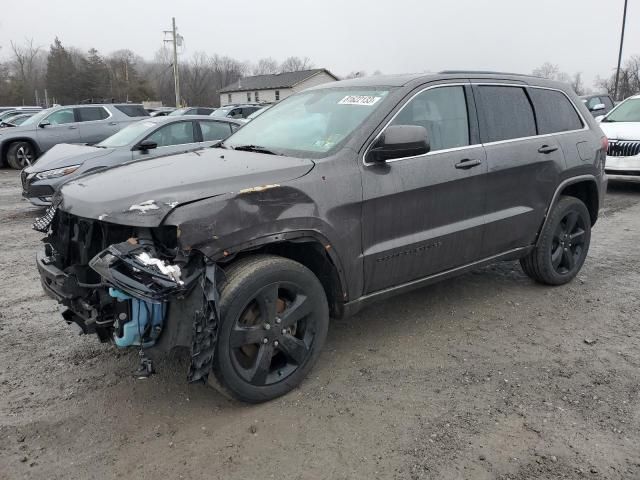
(255,148)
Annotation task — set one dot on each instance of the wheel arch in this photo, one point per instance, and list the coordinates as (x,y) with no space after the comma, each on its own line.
(4,147)
(311,250)
(583,187)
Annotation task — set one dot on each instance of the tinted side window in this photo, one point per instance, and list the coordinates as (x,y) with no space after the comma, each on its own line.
(214,130)
(90,114)
(505,113)
(443,112)
(173,134)
(607,102)
(554,111)
(132,110)
(205,111)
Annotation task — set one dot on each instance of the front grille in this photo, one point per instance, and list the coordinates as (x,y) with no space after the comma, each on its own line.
(623,148)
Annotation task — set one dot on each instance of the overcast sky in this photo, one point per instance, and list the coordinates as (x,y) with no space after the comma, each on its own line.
(394,36)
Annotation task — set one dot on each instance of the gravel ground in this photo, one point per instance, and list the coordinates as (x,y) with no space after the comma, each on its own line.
(485,376)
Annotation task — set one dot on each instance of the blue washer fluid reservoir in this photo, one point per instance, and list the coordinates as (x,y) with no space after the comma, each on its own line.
(143,315)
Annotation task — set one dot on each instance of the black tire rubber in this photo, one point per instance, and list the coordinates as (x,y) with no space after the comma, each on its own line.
(12,154)
(538,264)
(243,279)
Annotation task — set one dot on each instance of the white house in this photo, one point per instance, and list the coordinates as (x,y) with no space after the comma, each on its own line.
(273,88)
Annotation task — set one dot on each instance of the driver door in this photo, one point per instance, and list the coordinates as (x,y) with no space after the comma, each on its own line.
(62,127)
(425,214)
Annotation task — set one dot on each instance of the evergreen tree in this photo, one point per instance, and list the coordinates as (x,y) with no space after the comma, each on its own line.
(96,77)
(62,78)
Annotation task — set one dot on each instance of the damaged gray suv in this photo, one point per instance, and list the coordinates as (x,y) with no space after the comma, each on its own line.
(338,196)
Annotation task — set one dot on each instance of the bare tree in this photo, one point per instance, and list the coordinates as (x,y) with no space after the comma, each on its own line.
(576,83)
(296,64)
(266,66)
(629,82)
(547,70)
(27,66)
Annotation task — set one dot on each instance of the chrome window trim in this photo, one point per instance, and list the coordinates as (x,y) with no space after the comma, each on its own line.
(475,145)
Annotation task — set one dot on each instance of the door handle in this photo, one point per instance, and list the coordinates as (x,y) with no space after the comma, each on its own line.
(467,163)
(72,127)
(547,149)
(113,123)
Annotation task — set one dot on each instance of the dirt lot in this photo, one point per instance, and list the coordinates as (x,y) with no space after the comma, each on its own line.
(485,376)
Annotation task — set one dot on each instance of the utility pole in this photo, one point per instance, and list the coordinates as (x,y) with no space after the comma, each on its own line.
(175,40)
(624,21)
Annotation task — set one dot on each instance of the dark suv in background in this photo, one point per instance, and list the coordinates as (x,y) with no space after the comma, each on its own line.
(21,146)
(338,196)
(598,105)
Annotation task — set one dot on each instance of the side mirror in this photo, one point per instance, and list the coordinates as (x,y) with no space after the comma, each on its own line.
(44,123)
(399,141)
(146,145)
(599,106)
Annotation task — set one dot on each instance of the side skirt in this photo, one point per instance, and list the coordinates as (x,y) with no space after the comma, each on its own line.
(353,307)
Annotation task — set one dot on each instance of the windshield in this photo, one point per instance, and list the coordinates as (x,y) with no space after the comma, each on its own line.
(178,112)
(37,117)
(627,111)
(127,135)
(310,122)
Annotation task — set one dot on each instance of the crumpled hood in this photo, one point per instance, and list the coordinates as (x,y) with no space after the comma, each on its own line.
(142,193)
(621,130)
(64,154)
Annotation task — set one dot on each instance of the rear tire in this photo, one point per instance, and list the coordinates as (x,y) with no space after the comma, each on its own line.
(20,155)
(563,244)
(274,322)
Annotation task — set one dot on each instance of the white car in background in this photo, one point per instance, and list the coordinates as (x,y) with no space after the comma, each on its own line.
(622,127)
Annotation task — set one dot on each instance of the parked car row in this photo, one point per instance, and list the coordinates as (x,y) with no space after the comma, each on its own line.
(338,196)
(150,138)
(24,144)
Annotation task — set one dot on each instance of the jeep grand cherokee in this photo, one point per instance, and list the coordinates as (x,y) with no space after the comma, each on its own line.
(336,197)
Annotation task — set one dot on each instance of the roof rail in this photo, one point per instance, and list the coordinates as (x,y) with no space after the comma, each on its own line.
(482,72)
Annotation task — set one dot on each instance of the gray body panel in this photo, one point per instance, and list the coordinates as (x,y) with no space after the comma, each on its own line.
(383,226)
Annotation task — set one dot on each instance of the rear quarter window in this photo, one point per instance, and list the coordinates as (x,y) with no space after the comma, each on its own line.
(91,114)
(554,112)
(132,110)
(505,113)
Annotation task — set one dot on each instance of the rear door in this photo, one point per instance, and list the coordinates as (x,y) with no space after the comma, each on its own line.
(556,115)
(423,215)
(523,168)
(62,127)
(95,124)
(176,137)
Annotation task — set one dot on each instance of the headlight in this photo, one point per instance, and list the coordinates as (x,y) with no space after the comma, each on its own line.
(57,172)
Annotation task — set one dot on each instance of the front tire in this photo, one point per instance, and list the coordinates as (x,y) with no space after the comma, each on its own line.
(20,155)
(274,321)
(563,244)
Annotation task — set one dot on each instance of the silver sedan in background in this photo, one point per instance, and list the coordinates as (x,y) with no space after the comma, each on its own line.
(150,138)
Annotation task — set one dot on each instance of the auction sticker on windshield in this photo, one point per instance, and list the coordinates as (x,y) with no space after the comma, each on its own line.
(359,100)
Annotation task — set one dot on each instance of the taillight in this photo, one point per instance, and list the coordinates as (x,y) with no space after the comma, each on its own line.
(604,142)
